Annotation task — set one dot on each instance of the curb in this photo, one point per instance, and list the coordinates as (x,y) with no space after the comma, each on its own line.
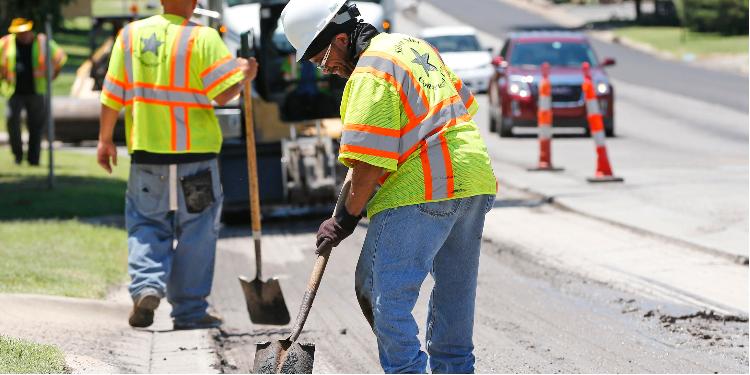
(548,199)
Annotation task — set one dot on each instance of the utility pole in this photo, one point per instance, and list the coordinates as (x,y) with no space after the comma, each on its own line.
(48,102)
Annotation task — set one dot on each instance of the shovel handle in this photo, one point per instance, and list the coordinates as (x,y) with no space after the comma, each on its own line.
(252,175)
(324,251)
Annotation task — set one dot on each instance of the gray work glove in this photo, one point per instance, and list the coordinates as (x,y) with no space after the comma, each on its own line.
(335,229)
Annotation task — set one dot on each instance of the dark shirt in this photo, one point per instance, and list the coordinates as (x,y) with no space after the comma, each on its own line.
(145,157)
(24,70)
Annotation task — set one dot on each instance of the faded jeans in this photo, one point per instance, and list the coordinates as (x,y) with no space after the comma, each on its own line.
(171,251)
(402,246)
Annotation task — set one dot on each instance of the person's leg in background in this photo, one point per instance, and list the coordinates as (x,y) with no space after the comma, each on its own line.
(36,118)
(450,321)
(15,106)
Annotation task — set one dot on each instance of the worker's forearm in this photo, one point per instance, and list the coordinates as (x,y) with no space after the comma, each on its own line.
(228,94)
(107,122)
(364,181)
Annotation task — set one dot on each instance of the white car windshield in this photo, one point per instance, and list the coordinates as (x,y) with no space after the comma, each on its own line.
(232,3)
(555,53)
(454,43)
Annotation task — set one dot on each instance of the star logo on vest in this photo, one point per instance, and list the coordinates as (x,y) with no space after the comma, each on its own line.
(424,61)
(151,45)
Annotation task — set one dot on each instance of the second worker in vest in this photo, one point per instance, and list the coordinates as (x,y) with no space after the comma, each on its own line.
(23,80)
(165,71)
(407,125)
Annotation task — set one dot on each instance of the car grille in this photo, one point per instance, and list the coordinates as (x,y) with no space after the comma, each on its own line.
(566,93)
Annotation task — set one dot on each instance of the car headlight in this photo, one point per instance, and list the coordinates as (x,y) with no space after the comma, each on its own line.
(602,88)
(519,88)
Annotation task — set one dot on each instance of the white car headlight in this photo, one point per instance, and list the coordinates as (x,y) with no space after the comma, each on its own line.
(602,88)
(519,88)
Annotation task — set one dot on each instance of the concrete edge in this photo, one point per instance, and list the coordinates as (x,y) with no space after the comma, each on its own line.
(737,259)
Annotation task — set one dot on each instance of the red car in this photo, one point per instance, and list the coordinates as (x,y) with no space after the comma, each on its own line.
(514,85)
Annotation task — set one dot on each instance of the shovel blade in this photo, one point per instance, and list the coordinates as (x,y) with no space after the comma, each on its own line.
(284,357)
(265,302)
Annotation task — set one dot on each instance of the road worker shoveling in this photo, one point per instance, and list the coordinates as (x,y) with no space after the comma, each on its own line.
(407,124)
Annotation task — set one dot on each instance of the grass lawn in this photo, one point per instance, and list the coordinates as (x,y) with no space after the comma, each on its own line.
(677,41)
(22,357)
(82,187)
(45,249)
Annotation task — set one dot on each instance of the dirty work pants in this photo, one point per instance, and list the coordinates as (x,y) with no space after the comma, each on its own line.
(402,246)
(35,118)
(171,251)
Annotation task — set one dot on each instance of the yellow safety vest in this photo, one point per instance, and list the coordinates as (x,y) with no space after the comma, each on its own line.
(38,59)
(404,110)
(165,71)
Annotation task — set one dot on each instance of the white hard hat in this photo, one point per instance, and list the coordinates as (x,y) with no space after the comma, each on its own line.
(304,20)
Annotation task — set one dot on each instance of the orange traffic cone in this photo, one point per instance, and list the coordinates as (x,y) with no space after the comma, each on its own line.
(596,125)
(544,122)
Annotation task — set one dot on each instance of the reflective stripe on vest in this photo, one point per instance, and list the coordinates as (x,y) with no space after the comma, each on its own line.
(178,96)
(5,71)
(424,131)
(39,72)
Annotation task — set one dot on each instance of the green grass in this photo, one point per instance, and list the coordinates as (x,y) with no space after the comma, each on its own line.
(82,187)
(23,357)
(679,42)
(45,249)
(3,127)
(62,85)
(61,257)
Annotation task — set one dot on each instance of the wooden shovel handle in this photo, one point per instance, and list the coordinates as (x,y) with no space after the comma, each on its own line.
(252,174)
(324,251)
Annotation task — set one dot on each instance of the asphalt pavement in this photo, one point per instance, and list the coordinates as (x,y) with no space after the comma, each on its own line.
(499,18)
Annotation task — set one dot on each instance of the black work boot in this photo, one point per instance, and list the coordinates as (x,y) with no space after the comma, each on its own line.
(207,321)
(143,308)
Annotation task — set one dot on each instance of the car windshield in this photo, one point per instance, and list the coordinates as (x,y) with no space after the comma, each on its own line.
(554,53)
(454,43)
(232,3)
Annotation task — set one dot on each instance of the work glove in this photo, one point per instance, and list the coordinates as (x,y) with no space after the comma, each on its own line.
(335,229)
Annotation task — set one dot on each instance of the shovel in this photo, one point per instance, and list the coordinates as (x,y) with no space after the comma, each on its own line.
(288,356)
(265,302)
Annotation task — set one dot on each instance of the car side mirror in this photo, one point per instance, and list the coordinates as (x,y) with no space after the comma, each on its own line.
(608,62)
(489,49)
(500,64)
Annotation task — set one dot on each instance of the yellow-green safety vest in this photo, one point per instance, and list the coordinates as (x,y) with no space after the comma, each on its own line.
(405,111)
(165,71)
(38,59)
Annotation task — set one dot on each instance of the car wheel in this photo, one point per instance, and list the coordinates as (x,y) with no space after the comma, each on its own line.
(506,128)
(609,127)
(493,124)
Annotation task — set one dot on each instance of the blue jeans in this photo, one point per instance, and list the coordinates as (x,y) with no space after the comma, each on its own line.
(402,246)
(171,251)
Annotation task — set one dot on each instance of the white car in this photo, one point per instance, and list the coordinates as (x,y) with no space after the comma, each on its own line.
(462,52)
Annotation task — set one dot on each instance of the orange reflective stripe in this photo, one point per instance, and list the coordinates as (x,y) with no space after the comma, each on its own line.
(403,157)
(435,109)
(373,130)
(426,172)
(112,96)
(223,78)
(187,129)
(167,88)
(369,151)
(396,84)
(172,103)
(545,117)
(175,53)
(215,65)
(116,81)
(193,30)
(173,122)
(448,164)
(414,81)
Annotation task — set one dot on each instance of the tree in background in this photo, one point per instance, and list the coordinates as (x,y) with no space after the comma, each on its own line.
(35,10)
